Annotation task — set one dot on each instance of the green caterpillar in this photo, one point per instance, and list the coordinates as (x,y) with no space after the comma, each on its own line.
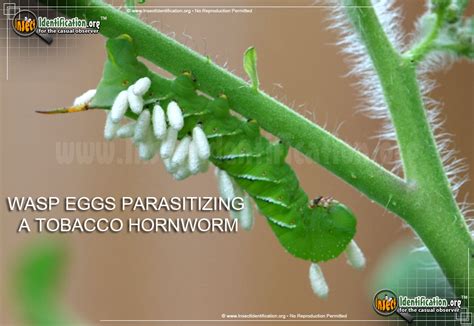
(315,232)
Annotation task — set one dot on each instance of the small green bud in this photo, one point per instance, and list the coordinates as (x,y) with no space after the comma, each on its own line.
(426,24)
(250,66)
(452,13)
(440,4)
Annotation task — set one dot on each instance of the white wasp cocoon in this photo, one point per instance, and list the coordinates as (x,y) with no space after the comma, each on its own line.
(175,116)
(141,86)
(194,162)
(110,128)
(168,145)
(142,126)
(226,186)
(200,138)
(182,173)
(148,147)
(203,166)
(355,256)
(126,131)
(246,214)
(135,102)
(181,152)
(159,122)
(85,98)
(119,107)
(238,192)
(167,164)
(146,150)
(318,283)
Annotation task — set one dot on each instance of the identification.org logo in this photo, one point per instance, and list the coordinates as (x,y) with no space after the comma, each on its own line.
(25,23)
(387,303)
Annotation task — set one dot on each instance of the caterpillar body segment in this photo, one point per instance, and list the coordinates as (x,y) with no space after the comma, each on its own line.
(258,166)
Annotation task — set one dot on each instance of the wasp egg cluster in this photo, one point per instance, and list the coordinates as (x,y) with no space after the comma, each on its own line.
(156,132)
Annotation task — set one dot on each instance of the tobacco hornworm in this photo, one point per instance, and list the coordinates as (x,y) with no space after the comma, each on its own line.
(315,232)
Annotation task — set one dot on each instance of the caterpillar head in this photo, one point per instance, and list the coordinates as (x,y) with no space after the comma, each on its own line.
(339,214)
(321,201)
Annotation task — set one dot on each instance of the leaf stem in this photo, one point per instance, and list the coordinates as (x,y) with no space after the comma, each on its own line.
(421,49)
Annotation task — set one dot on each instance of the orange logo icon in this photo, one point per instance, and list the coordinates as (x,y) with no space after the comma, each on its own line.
(24,23)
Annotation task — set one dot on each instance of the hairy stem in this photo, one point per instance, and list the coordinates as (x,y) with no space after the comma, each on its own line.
(436,217)
(421,49)
(462,5)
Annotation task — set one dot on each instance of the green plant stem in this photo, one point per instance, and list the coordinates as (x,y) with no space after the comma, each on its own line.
(436,217)
(352,166)
(421,49)
(427,204)
(456,48)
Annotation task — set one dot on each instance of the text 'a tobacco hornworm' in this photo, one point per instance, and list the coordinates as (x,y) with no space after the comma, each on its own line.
(172,119)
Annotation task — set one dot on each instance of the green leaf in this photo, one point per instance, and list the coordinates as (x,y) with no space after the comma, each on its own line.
(36,282)
(121,70)
(250,66)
